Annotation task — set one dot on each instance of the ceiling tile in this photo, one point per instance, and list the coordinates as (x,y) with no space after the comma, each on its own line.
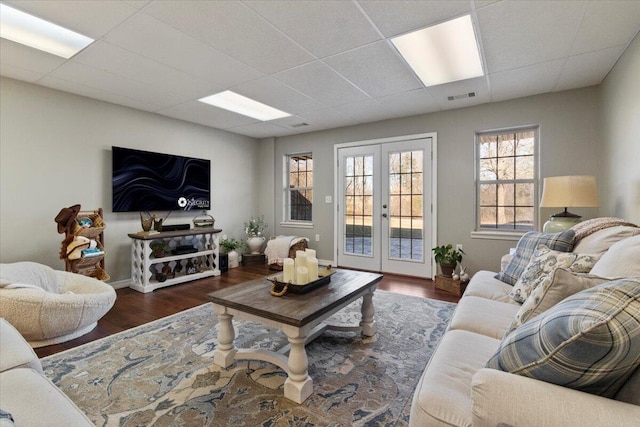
(138,4)
(93,18)
(607,24)
(92,92)
(276,94)
(14,72)
(234,29)
(367,111)
(322,27)
(588,69)
(397,17)
(261,130)
(21,56)
(109,82)
(376,69)
(410,103)
(520,33)
(208,115)
(321,83)
(113,59)
(525,81)
(440,93)
(160,42)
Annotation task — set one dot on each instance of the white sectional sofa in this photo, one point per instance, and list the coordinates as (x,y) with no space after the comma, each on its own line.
(26,394)
(458,389)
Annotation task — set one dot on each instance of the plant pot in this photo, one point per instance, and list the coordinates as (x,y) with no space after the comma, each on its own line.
(447,269)
(233,259)
(255,244)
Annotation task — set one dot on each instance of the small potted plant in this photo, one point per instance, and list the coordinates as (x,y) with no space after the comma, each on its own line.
(159,248)
(448,258)
(229,246)
(254,229)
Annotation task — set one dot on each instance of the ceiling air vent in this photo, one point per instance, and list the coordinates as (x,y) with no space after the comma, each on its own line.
(299,125)
(461,96)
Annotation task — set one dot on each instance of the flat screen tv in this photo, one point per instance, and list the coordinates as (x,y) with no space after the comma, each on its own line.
(144,181)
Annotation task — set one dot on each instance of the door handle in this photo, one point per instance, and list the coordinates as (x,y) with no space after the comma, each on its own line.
(384,215)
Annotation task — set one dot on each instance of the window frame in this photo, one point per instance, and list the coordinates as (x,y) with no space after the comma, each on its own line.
(286,220)
(508,233)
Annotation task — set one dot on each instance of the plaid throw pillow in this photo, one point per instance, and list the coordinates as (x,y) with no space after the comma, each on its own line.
(528,243)
(588,342)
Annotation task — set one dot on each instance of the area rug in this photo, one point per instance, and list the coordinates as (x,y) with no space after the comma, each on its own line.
(161,373)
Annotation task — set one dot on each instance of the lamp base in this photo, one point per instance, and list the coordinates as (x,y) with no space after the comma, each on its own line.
(557,224)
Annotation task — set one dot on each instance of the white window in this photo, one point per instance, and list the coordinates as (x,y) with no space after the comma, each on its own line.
(506,179)
(299,188)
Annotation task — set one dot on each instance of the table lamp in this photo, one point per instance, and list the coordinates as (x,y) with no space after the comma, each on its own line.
(567,192)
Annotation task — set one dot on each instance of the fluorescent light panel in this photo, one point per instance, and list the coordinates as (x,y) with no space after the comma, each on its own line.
(242,105)
(443,53)
(28,30)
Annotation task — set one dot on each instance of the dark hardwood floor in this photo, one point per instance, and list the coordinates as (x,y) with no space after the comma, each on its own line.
(133,308)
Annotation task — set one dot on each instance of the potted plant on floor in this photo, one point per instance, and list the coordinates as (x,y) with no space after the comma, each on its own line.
(447,258)
(254,229)
(229,246)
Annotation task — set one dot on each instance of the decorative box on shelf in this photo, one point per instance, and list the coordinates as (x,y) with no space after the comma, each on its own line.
(451,285)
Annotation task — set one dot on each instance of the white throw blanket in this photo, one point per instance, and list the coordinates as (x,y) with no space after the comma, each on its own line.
(278,248)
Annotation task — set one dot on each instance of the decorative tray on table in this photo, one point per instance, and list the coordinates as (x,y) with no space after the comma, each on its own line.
(279,288)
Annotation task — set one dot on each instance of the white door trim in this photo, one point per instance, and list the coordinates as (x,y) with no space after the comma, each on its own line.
(434,186)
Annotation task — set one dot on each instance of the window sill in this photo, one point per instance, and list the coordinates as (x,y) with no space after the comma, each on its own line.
(297,224)
(497,235)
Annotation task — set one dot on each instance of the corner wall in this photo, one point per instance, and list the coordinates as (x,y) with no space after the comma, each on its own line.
(55,151)
(620,131)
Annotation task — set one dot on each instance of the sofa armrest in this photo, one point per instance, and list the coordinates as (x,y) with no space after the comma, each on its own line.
(501,398)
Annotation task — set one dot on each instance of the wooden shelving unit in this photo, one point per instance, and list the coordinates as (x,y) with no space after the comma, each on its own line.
(93,266)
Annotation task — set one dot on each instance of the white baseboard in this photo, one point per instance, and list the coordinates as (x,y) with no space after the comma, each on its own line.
(121,284)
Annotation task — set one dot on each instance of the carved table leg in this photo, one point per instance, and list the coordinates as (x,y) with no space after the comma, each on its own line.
(368,324)
(299,385)
(225,352)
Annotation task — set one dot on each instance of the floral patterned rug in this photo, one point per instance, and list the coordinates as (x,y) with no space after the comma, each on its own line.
(161,373)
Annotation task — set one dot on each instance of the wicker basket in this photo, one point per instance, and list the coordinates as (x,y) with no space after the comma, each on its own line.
(92,232)
(300,246)
(96,272)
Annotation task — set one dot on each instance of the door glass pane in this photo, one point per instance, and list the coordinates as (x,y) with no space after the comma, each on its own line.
(406,205)
(358,203)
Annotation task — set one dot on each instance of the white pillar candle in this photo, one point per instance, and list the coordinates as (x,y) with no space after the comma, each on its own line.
(312,266)
(288,270)
(302,276)
(311,253)
(301,259)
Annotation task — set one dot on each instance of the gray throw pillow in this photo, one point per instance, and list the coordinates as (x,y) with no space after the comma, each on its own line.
(589,341)
(527,245)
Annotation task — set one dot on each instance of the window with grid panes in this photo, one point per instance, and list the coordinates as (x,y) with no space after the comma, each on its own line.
(299,189)
(506,179)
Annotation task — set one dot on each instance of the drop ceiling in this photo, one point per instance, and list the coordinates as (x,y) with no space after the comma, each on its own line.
(328,63)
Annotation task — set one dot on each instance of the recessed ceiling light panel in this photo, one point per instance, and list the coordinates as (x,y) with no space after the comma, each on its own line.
(443,53)
(31,31)
(242,105)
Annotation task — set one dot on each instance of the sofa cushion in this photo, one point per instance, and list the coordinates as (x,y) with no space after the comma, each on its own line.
(542,264)
(6,419)
(589,342)
(562,283)
(527,245)
(621,260)
(600,241)
(443,395)
(35,401)
(483,316)
(483,284)
(16,353)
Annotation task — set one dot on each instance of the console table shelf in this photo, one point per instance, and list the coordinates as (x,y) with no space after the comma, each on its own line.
(144,266)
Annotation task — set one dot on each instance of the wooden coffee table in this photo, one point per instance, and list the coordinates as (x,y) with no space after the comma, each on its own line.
(300,316)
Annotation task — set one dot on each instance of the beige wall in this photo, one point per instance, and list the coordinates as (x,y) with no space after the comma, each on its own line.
(569,145)
(55,151)
(620,131)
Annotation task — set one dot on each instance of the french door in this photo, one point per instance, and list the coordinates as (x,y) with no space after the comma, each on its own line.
(384,207)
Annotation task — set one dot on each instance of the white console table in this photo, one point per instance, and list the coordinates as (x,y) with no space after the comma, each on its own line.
(144,265)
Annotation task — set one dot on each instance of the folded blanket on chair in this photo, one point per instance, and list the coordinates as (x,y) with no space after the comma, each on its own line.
(278,248)
(590,226)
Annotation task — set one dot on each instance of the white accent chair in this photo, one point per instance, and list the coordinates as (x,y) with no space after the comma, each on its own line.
(48,306)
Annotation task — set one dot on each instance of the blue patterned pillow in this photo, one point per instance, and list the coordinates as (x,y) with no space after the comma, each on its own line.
(562,242)
(590,341)
(6,420)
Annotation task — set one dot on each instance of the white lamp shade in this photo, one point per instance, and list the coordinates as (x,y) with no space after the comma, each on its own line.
(570,192)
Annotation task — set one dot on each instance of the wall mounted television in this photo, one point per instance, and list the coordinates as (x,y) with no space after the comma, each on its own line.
(144,181)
